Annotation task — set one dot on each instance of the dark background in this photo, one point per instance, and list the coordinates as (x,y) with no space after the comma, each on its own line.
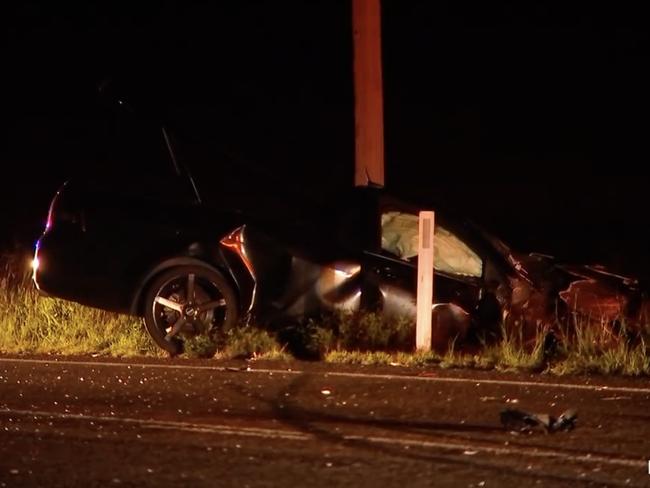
(530,117)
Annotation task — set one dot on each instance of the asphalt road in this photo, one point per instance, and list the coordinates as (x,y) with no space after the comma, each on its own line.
(95,422)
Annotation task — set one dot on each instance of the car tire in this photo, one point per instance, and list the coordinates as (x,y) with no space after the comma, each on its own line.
(188,302)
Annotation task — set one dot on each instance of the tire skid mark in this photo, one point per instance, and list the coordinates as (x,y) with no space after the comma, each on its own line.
(523,451)
(453,447)
(164,424)
(435,379)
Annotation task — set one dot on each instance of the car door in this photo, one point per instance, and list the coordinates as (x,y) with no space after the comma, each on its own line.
(390,278)
(136,203)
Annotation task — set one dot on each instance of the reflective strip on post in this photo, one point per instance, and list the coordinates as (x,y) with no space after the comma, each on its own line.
(425,281)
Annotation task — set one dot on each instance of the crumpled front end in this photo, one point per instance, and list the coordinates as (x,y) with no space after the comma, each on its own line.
(565,298)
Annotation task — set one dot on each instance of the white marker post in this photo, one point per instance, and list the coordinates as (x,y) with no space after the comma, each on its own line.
(425,281)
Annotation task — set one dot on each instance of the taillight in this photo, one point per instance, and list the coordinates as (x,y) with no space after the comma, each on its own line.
(36,264)
(235,242)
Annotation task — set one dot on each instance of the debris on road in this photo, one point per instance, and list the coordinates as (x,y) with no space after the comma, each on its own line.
(237,369)
(489,398)
(520,421)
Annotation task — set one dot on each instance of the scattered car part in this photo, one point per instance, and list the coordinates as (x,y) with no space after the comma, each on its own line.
(520,421)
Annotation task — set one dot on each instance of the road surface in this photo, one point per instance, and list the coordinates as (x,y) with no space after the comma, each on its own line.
(86,422)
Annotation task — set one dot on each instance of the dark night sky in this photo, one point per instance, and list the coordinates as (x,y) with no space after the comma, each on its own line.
(531,117)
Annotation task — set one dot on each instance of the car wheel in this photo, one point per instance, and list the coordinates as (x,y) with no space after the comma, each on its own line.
(189,304)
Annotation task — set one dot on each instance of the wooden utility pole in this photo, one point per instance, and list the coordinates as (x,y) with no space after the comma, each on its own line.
(369,146)
(368,93)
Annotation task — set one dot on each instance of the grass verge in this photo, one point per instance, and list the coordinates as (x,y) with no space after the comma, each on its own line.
(33,324)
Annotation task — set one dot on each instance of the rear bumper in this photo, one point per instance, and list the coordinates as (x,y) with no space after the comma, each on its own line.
(65,271)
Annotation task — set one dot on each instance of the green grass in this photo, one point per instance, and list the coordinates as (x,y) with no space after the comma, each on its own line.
(510,353)
(589,347)
(248,342)
(30,323)
(33,324)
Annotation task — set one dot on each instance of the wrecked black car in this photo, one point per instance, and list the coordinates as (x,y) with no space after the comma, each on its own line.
(194,255)
(189,269)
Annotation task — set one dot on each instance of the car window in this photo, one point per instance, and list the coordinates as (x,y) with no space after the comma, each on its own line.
(400,236)
(132,158)
(138,147)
